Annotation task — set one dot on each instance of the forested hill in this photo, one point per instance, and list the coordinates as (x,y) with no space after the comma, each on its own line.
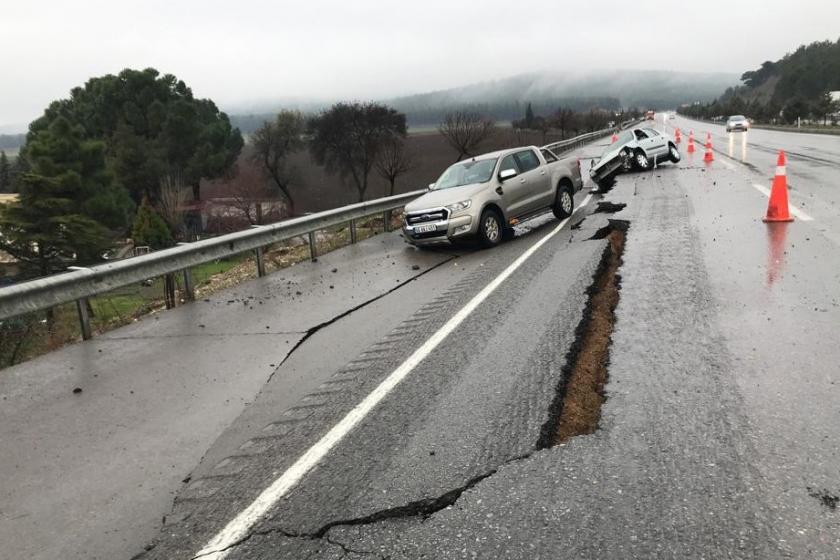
(808,73)
(506,98)
(795,86)
(546,91)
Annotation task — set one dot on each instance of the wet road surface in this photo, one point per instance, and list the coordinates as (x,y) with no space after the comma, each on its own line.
(718,437)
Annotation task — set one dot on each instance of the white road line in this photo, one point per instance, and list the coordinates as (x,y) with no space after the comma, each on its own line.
(238,527)
(793,209)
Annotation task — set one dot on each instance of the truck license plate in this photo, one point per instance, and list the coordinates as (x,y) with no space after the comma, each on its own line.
(425,229)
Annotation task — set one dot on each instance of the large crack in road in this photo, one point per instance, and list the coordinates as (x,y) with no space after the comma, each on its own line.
(580,389)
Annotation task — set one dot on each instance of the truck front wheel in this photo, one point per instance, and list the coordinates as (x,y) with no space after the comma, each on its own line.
(490,228)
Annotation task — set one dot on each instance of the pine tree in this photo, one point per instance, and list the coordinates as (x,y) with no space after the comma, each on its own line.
(529,116)
(150,229)
(5,173)
(67,203)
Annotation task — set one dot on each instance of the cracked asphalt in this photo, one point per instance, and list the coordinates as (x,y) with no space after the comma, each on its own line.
(718,437)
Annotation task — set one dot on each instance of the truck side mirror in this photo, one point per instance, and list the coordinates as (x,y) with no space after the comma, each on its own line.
(431,186)
(506,174)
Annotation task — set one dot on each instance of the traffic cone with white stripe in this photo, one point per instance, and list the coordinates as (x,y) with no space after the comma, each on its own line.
(709,156)
(677,136)
(690,142)
(777,208)
(614,138)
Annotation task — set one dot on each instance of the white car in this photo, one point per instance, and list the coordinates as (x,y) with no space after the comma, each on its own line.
(737,122)
(638,148)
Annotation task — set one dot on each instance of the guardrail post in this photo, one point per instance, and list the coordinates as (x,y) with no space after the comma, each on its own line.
(189,289)
(169,290)
(386,220)
(84,318)
(313,247)
(258,255)
(352,231)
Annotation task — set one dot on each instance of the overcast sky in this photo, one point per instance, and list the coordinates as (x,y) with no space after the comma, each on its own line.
(245,53)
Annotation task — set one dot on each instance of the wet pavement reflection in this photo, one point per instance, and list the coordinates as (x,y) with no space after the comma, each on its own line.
(776,251)
(738,138)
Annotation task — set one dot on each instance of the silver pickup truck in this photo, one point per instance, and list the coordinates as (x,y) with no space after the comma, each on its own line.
(483,197)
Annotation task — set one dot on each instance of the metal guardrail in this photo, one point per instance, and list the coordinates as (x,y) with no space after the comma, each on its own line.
(79,283)
(572,143)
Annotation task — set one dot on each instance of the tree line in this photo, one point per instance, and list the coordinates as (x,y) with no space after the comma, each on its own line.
(796,86)
(126,155)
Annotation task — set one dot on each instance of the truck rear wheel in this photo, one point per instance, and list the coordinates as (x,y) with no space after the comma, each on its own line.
(564,203)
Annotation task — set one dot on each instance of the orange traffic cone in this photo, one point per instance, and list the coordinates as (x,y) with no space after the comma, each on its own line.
(709,156)
(677,136)
(777,208)
(614,138)
(691,142)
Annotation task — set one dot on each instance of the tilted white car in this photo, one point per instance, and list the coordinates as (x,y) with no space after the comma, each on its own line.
(639,148)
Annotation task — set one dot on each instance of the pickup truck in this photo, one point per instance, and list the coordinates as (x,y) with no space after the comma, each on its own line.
(484,196)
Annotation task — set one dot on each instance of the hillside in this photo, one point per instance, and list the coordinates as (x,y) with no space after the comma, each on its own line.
(505,99)
(784,90)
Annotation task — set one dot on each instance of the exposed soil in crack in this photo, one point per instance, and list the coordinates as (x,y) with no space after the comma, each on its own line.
(576,408)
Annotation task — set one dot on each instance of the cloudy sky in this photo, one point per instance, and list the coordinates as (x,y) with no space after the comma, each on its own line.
(247,53)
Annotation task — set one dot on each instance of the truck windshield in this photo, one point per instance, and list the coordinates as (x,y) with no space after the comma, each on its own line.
(467,173)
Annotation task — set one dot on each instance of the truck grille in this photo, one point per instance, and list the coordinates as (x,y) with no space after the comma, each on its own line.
(436,215)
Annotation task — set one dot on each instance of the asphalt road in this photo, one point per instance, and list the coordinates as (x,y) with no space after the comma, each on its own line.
(718,437)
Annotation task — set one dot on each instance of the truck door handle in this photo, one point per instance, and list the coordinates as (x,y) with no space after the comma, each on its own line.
(521,180)
(499,191)
(542,172)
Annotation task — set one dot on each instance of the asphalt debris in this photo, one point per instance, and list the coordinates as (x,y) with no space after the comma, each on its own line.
(825,497)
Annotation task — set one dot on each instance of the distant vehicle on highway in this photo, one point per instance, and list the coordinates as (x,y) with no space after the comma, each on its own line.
(650,115)
(672,115)
(737,122)
(638,148)
(484,196)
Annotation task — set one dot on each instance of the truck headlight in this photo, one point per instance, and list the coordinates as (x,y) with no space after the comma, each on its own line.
(459,206)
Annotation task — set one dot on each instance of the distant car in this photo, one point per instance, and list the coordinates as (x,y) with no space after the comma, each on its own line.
(639,148)
(737,122)
(672,115)
(484,196)
(650,115)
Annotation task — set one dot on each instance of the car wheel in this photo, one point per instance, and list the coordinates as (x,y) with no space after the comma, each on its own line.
(641,161)
(564,202)
(674,153)
(490,228)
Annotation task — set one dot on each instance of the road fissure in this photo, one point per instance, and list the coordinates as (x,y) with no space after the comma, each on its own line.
(576,408)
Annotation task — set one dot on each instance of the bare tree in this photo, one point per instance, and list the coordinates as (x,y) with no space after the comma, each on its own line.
(465,131)
(248,191)
(273,143)
(393,161)
(173,195)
